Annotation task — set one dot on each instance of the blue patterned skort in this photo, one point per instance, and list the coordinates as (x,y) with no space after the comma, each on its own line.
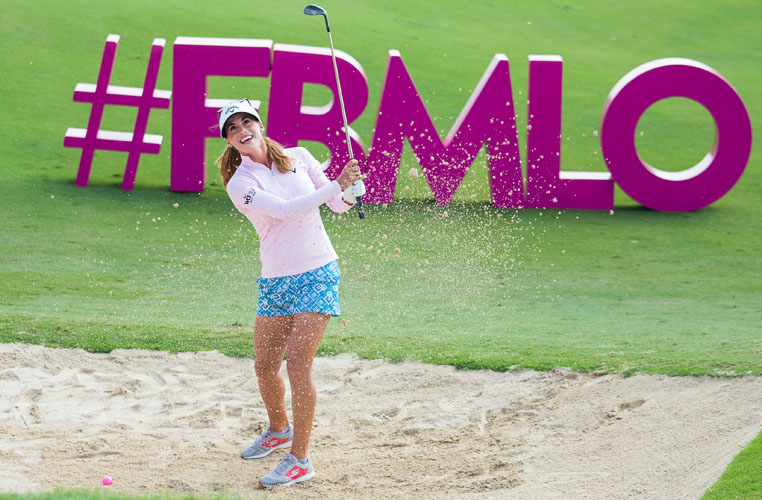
(312,291)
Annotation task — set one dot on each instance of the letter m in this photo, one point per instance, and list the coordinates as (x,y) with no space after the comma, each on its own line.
(488,117)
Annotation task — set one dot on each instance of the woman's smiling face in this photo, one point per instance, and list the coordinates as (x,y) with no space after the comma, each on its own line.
(244,133)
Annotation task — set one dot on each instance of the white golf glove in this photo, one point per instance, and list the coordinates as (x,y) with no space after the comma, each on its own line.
(356,189)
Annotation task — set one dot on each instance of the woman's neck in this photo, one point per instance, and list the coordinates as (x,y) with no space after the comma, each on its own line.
(260,157)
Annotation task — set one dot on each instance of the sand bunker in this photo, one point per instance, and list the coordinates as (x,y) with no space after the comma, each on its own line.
(155,421)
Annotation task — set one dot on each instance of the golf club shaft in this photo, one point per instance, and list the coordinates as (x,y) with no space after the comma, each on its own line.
(341,99)
(360,208)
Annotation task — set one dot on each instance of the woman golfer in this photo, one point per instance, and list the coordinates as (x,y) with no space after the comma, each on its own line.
(279,190)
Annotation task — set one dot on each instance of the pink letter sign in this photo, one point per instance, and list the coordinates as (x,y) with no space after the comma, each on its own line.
(487,120)
(709,179)
(289,122)
(103,93)
(487,117)
(194,116)
(547,185)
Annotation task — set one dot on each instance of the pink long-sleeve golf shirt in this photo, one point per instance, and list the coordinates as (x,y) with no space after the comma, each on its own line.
(283,208)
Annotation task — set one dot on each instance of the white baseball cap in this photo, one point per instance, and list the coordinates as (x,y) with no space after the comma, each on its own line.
(242,106)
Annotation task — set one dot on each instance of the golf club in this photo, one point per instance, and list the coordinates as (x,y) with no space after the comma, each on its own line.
(316,10)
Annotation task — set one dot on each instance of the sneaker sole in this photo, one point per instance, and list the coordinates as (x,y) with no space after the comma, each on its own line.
(305,477)
(270,450)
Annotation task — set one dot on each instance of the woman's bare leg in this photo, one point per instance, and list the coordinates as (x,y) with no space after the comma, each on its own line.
(306,333)
(271,335)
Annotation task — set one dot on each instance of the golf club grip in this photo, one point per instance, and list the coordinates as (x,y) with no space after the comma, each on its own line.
(360,208)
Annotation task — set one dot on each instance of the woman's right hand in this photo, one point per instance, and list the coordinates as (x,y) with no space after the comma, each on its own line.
(351,173)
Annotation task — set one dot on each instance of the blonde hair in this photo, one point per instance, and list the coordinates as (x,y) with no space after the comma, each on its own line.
(230,159)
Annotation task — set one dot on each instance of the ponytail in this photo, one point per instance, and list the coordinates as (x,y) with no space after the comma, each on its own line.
(228,163)
(276,155)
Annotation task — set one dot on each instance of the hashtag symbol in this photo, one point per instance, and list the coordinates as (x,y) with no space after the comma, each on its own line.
(102,94)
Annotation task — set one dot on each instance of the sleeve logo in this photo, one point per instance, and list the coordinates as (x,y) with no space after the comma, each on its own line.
(249,196)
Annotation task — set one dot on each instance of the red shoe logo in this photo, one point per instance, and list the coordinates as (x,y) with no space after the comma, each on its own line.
(270,443)
(296,473)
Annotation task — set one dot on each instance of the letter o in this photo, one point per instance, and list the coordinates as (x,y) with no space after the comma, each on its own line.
(705,182)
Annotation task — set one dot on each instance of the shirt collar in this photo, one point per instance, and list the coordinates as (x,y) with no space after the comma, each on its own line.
(248,162)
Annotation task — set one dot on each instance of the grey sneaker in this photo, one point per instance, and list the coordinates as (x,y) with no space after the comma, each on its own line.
(290,470)
(268,442)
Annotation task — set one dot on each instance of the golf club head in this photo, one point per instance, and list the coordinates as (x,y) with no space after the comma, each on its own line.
(316,10)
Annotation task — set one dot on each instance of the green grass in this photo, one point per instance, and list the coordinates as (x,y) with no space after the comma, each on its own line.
(470,285)
(743,478)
